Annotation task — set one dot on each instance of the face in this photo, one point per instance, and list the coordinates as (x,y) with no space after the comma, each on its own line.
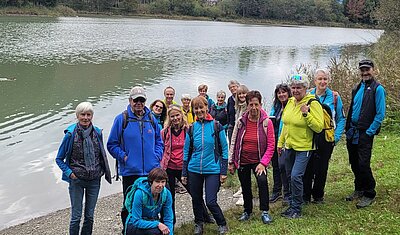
(203,92)
(220,99)
(158,108)
(185,102)
(200,110)
(298,91)
(85,118)
(321,81)
(282,95)
(169,94)
(366,73)
(157,186)
(233,88)
(254,107)
(137,104)
(175,117)
(242,97)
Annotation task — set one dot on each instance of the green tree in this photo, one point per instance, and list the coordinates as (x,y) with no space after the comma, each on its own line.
(388,15)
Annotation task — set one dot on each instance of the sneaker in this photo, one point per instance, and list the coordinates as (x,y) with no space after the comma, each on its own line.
(275,197)
(364,202)
(265,217)
(245,216)
(198,228)
(240,202)
(293,215)
(355,195)
(286,212)
(318,201)
(223,229)
(238,193)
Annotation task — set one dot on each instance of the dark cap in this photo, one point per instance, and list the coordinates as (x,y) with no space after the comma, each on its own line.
(365,64)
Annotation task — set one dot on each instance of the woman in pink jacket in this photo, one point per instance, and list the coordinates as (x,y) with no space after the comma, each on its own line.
(173,136)
(252,147)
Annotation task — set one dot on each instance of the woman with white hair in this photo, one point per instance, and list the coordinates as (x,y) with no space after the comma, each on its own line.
(219,110)
(317,169)
(83,161)
(300,121)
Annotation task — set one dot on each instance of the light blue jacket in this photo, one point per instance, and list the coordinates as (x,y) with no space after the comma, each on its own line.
(145,211)
(65,150)
(337,113)
(141,143)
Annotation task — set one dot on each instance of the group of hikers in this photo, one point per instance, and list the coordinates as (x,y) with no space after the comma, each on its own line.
(197,142)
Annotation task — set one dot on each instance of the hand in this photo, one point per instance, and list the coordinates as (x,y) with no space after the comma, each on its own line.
(222,178)
(163,228)
(184,180)
(279,150)
(305,108)
(125,158)
(73,176)
(231,168)
(260,169)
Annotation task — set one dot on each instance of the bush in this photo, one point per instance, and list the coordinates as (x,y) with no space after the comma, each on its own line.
(160,7)
(65,11)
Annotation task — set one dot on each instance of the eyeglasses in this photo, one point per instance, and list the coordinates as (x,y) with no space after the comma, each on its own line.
(297,77)
(158,106)
(139,99)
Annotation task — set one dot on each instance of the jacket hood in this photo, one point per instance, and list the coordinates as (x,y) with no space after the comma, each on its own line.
(208,118)
(143,184)
(304,100)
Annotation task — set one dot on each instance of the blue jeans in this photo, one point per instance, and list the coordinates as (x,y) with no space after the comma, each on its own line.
(78,188)
(296,164)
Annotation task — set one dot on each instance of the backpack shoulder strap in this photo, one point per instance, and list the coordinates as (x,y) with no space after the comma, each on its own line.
(151,119)
(311,100)
(121,139)
(190,132)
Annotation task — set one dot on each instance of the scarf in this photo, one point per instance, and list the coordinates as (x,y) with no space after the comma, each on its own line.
(88,148)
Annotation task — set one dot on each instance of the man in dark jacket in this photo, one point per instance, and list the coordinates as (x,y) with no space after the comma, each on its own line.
(366,113)
(135,142)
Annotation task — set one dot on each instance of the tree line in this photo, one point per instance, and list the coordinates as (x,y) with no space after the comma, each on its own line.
(306,11)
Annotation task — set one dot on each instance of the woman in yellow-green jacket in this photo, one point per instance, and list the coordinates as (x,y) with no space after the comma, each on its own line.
(300,121)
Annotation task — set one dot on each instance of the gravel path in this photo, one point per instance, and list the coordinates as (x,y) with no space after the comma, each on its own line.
(107,218)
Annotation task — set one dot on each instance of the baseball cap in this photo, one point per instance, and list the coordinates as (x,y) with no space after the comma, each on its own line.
(365,64)
(136,92)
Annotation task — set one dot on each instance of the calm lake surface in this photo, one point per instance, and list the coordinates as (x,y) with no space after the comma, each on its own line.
(49,65)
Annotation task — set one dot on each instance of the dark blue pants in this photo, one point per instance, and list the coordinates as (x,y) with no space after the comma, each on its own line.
(136,231)
(279,175)
(77,189)
(212,184)
(360,161)
(296,164)
(244,173)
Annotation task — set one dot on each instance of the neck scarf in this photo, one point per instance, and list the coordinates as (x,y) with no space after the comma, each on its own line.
(88,148)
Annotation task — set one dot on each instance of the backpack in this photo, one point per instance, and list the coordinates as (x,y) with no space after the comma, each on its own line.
(327,135)
(217,145)
(131,195)
(124,125)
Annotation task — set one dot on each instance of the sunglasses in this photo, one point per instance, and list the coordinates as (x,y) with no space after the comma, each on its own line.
(139,99)
(158,106)
(297,77)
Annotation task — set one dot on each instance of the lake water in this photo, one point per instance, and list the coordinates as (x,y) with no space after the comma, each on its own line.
(49,65)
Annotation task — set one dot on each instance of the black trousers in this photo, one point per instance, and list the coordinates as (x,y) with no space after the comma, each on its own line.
(176,174)
(244,174)
(316,172)
(136,231)
(360,161)
(126,182)
(279,175)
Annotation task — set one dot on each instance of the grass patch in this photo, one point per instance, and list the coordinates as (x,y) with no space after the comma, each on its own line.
(336,216)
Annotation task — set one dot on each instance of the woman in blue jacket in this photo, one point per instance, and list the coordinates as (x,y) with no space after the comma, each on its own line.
(317,168)
(83,161)
(205,160)
(150,198)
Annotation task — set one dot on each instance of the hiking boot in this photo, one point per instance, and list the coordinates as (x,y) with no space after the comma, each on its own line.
(354,196)
(245,216)
(240,202)
(198,228)
(318,201)
(223,229)
(293,215)
(364,202)
(286,212)
(265,217)
(275,197)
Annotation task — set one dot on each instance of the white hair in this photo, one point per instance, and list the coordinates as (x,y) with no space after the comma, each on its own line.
(83,108)
(233,82)
(221,92)
(324,71)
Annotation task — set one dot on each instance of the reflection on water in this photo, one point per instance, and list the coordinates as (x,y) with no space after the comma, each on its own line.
(49,65)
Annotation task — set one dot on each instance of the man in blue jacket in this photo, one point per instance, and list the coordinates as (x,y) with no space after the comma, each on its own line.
(366,113)
(135,142)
